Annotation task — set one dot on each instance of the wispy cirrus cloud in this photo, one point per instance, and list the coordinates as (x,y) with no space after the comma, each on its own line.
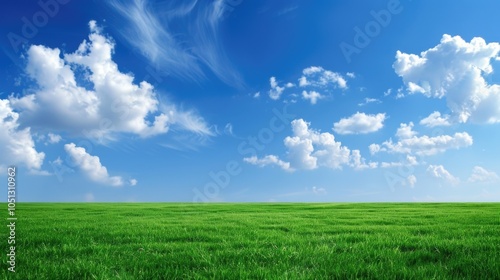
(179,36)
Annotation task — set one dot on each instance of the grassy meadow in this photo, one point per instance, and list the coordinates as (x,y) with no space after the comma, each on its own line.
(255,241)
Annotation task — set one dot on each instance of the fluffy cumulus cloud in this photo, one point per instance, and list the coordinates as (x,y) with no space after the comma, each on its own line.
(358,162)
(411,180)
(316,76)
(482,175)
(269,160)
(53,138)
(316,83)
(91,166)
(275,91)
(405,131)
(16,144)
(93,97)
(312,96)
(83,94)
(435,119)
(309,149)
(360,123)
(375,148)
(455,70)
(317,190)
(409,143)
(439,172)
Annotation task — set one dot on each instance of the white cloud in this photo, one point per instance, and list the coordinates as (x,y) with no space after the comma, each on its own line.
(318,77)
(481,175)
(303,82)
(269,160)
(375,148)
(439,172)
(39,172)
(368,100)
(228,129)
(400,94)
(360,123)
(147,28)
(426,145)
(114,104)
(313,78)
(410,144)
(455,70)
(412,160)
(350,75)
(299,152)
(91,166)
(359,163)
(54,138)
(435,119)
(57,161)
(133,182)
(16,144)
(408,161)
(411,180)
(388,92)
(312,70)
(414,88)
(256,95)
(275,91)
(405,131)
(312,96)
(317,190)
(309,149)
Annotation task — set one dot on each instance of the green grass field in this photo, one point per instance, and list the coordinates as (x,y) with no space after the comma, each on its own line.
(255,241)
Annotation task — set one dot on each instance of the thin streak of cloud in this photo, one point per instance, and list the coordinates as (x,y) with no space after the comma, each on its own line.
(288,10)
(148,29)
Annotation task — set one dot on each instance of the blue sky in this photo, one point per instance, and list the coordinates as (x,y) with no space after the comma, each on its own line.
(251,100)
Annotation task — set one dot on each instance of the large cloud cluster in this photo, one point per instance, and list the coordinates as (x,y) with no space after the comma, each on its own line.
(83,94)
(309,149)
(455,70)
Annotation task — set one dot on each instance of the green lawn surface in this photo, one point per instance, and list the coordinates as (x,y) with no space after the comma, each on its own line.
(255,241)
